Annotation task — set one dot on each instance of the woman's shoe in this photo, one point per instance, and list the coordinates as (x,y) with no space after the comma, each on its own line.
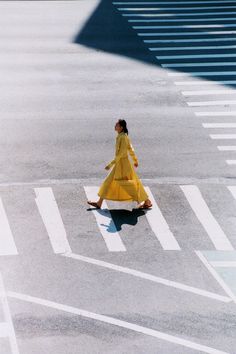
(94,204)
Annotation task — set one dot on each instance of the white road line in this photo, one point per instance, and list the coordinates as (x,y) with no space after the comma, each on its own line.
(223,136)
(191,65)
(226,148)
(231,162)
(7,316)
(116,322)
(232,190)
(206,47)
(216,276)
(208,83)
(183,20)
(161,34)
(167,2)
(182,15)
(149,277)
(175,8)
(186,26)
(51,217)
(204,215)
(104,221)
(7,244)
(215,114)
(209,92)
(211,103)
(204,73)
(159,226)
(219,125)
(192,40)
(4,330)
(197,56)
(226,264)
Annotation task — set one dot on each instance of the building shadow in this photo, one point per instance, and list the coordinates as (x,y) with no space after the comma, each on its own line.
(107,30)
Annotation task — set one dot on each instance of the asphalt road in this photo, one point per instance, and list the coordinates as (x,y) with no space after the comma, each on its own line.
(79,281)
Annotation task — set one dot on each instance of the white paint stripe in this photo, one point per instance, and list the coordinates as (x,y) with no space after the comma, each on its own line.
(202,13)
(104,220)
(218,19)
(223,136)
(159,226)
(197,56)
(204,215)
(215,114)
(4,330)
(186,26)
(175,8)
(8,319)
(116,322)
(209,92)
(204,73)
(232,190)
(211,103)
(216,276)
(227,264)
(168,2)
(206,47)
(51,217)
(160,34)
(231,162)
(205,64)
(7,244)
(219,125)
(192,40)
(149,277)
(208,83)
(227,148)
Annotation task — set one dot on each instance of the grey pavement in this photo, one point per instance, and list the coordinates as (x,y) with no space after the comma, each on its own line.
(69,69)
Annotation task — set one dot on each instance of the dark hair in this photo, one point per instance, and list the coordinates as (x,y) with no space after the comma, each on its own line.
(123,124)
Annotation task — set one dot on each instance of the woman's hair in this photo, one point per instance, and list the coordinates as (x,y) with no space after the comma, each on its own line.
(123,124)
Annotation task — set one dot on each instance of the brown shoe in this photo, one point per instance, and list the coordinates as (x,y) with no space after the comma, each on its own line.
(94,204)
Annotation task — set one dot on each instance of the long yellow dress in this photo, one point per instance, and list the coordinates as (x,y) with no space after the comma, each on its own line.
(123,183)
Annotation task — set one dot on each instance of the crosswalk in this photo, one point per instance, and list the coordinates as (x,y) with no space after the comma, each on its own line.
(168,229)
(195,42)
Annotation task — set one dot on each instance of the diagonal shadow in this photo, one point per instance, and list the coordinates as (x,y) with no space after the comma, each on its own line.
(122,217)
(107,30)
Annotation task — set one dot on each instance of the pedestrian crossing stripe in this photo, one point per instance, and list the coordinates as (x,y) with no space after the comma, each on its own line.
(57,234)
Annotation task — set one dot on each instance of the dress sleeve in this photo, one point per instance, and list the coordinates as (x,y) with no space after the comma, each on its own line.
(121,150)
(132,152)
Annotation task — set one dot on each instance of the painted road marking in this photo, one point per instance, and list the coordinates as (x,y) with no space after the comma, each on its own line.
(116,322)
(159,226)
(216,276)
(182,20)
(4,330)
(221,264)
(211,103)
(197,56)
(219,125)
(209,92)
(223,136)
(187,26)
(205,73)
(207,47)
(175,8)
(216,114)
(208,83)
(104,221)
(9,328)
(7,243)
(231,162)
(161,34)
(227,147)
(52,220)
(181,15)
(192,40)
(204,215)
(149,277)
(167,2)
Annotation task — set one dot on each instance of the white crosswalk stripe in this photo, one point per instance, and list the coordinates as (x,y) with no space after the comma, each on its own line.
(7,243)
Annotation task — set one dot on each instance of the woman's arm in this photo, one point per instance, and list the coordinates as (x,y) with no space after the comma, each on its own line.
(132,152)
(121,151)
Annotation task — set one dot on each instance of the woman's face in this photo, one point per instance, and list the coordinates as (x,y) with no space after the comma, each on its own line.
(118,127)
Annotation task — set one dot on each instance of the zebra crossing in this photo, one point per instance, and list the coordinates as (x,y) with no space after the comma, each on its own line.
(194,41)
(164,230)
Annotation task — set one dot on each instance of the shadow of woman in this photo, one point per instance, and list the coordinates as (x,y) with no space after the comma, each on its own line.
(123,217)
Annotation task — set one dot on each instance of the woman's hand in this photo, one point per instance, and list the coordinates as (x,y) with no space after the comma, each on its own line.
(136,164)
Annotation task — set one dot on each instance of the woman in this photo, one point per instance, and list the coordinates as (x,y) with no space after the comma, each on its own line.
(122,183)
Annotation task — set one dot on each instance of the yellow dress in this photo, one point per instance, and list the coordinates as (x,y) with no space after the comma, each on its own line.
(123,183)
